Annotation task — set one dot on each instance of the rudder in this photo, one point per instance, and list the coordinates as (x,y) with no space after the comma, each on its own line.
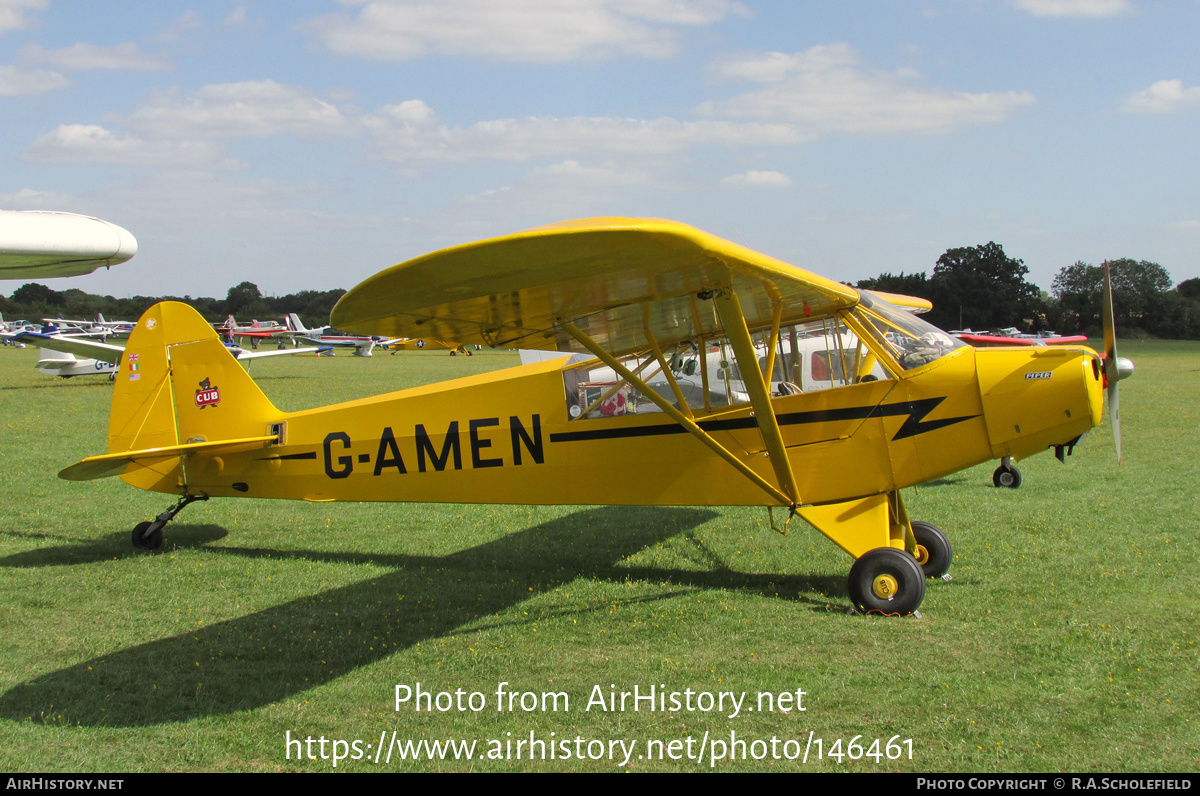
(178,384)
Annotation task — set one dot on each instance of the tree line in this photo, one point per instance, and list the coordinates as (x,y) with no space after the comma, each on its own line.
(245,301)
(982,288)
(977,287)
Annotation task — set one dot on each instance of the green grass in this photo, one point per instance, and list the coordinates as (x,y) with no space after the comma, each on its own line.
(1067,640)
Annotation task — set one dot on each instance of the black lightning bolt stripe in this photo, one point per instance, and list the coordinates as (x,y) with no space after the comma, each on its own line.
(917,410)
(309,455)
(914,425)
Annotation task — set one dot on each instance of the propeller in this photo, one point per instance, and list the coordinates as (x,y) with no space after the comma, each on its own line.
(1115,368)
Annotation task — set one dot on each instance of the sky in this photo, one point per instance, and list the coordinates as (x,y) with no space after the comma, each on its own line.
(306,144)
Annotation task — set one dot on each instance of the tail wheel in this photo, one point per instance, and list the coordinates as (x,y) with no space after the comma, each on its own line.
(886,580)
(934,553)
(144,541)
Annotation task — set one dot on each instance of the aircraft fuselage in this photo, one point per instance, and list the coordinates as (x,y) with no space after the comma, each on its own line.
(508,437)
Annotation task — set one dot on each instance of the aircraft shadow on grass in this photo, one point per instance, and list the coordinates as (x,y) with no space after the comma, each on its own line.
(110,547)
(948,481)
(266,656)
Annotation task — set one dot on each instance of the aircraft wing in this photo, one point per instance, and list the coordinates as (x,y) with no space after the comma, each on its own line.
(619,280)
(993,340)
(261,335)
(979,340)
(1070,340)
(81,347)
(35,244)
(913,304)
(242,354)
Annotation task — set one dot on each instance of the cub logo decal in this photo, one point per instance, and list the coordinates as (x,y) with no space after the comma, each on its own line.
(207,395)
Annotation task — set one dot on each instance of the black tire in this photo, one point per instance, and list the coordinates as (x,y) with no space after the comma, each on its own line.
(143,542)
(934,553)
(887,580)
(1007,476)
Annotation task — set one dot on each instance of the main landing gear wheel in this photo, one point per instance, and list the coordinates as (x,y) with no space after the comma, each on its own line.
(144,541)
(1007,475)
(933,549)
(887,580)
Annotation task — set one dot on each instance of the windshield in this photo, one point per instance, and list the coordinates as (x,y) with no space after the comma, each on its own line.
(913,342)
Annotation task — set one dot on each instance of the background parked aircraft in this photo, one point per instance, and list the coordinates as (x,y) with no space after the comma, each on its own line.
(67,356)
(257,331)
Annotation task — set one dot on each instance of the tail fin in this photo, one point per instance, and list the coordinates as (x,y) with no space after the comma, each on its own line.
(293,323)
(178,386)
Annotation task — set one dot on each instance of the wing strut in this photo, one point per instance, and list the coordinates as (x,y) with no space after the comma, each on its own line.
(734,322)
(769,368)
(680,418)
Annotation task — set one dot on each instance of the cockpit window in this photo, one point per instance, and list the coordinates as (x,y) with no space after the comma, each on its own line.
(594,390)
(820,354)
(816,355)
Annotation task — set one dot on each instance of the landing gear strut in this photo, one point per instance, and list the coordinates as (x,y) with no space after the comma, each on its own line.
(149,535)
(1007,474)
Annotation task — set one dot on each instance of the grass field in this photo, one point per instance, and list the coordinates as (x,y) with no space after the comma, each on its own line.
(1067,640)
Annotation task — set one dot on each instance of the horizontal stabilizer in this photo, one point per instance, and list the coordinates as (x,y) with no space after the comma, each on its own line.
(110,464)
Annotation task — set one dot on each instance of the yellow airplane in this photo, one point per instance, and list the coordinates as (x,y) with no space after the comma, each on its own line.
(425,344)
(671,405)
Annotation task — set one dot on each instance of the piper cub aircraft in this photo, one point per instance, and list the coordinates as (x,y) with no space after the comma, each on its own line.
(898,401)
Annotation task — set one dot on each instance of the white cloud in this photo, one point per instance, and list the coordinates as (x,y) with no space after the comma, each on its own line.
(411,133)
(410,113)
(1165,96)
(250,203)
(188,20)
(247,109)
(93,56)
(573,172)
(28,198)
(94,145)
(517,30)
(236,18)
(13,13)
(758,179)
(772,67)
(16,82)
(1075,8)
(827,89)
